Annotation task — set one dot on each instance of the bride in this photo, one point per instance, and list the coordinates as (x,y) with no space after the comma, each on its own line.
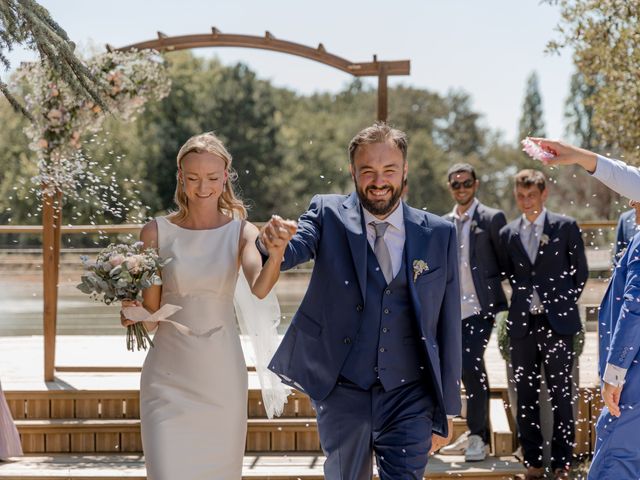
(193,388)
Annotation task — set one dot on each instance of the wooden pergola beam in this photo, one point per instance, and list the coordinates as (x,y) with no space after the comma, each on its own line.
(269,42)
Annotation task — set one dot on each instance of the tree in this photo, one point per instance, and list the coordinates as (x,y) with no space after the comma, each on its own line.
(26,23)
(532,121)
(604,37)
(230,101)
(592,200)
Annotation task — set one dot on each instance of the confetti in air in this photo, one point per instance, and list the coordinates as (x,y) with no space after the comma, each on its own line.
(535,151)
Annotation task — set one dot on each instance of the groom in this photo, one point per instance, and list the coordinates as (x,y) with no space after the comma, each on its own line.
(376,342)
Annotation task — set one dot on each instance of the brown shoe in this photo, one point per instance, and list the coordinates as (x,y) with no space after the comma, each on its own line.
(532,473)
(561,474)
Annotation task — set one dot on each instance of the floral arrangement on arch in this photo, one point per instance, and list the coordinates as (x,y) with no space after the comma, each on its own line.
(128,80)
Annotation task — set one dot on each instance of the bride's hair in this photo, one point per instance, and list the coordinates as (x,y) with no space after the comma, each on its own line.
(228,203)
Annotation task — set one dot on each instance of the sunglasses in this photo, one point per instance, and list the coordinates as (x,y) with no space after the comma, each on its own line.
(456,185)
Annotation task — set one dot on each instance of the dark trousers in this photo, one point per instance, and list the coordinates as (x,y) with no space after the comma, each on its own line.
(355,424)
(542,346)
(476,331)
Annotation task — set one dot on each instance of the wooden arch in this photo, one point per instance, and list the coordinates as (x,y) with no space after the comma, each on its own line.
(375,68)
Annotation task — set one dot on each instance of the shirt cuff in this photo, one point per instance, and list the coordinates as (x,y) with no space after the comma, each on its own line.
(614,375)
(261,248)
(449,417)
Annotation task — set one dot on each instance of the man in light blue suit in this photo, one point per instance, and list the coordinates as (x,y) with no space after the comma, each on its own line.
(616,455)
(376,341)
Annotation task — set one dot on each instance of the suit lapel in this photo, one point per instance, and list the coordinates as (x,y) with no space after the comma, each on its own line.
(549,231)
(516,239)
(352,219)
(475,221)
(417,239)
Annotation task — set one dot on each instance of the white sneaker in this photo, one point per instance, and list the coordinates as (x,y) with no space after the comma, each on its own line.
(458,447)
(476,450)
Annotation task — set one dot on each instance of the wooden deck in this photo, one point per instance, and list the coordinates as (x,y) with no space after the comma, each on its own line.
(21,363)
(257,467)
(86,425)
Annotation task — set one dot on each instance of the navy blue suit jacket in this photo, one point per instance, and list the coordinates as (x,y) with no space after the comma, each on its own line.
(485,258)
(559,274)
(323,330)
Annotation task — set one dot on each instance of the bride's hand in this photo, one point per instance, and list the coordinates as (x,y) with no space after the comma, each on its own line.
(277,234)
(128,303)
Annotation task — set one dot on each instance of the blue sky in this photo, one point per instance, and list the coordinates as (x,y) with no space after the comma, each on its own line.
(487,48)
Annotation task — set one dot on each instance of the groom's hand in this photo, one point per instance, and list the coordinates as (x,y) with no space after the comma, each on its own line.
(437,442)
(276,233)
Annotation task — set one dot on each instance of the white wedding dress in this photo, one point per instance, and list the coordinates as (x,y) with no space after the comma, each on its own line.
(193,390)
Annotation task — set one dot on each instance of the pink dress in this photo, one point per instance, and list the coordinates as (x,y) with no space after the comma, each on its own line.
(9,439)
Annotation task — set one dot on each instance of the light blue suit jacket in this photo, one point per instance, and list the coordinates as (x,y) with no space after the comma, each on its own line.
(619,177)
(619,321)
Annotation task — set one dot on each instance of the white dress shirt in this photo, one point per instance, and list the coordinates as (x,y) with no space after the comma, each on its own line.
(469,298)
(526,231)
(394,236)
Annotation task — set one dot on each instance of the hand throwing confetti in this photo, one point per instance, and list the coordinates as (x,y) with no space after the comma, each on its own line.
(535,151)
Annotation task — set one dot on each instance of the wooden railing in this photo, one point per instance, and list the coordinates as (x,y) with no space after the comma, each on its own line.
(50,281)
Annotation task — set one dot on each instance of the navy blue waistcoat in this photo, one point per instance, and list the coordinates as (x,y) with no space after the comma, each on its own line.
(387,346)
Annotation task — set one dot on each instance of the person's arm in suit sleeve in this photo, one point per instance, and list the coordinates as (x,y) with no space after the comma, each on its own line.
(620,240)
(497,222)
(625,340)
(450,332)
(618,176)
(615,174)
(503,254)
(304,244)
(577,259)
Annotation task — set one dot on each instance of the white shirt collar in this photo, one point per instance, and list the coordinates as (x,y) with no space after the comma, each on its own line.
(470,211)
(539,222)
(396,219)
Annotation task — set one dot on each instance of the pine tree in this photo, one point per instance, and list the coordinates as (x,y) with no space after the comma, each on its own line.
(578,113)
(605,45)
(26,23)
(531,121)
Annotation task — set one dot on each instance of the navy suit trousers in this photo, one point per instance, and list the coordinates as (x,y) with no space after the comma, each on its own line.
(354,424)
(543,346)
(476,331)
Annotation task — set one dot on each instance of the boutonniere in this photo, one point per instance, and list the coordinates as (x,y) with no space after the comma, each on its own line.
(544,239)
(419,267)
(474,225)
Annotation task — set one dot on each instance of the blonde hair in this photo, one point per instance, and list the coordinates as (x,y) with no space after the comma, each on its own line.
(228,202)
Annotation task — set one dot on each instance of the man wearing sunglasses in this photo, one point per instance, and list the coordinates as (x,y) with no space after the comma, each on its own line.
(481,298)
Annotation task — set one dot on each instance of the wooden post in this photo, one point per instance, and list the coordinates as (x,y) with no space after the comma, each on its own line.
(383,111)
(51,222)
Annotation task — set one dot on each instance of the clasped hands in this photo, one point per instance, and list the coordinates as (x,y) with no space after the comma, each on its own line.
(276,234)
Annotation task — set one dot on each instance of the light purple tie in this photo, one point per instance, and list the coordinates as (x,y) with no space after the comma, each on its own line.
(382,251)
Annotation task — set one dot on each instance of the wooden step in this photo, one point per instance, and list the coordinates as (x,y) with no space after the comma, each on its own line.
(256,467)
(502,437)
(296,434)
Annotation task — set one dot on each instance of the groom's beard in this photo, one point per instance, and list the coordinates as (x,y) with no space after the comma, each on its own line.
(379,207)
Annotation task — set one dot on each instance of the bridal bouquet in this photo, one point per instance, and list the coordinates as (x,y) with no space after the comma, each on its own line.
(121,272)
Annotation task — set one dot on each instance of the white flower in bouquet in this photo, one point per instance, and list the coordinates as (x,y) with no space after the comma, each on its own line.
(122,272)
